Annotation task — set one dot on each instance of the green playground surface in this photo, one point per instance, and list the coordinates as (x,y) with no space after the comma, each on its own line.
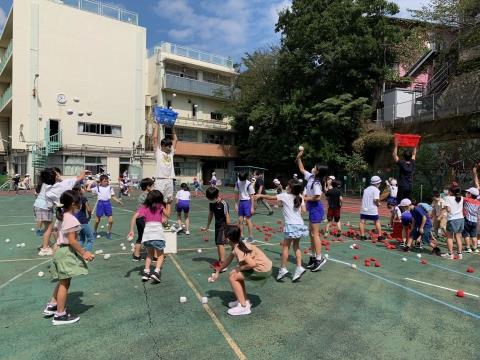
(401,310)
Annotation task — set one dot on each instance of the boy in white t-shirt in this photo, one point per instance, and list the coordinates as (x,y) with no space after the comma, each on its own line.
(183,205)
(105,193)
(244,204)
(370,204)
(165,172)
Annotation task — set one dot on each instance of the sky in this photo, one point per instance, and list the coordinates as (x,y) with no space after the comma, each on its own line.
(222,27)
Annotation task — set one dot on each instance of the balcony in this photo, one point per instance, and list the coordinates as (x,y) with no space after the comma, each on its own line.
(197,87)
(6,56)
(5,99)
(205,150)
(196,123)
(107,10)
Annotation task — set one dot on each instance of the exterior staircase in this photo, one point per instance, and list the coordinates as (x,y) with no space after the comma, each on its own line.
(40,151)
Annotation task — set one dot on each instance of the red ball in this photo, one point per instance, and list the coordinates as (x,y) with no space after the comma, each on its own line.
(377,264)
(356,257)
(460,293)
(367,263)
(470,269)
(423,262)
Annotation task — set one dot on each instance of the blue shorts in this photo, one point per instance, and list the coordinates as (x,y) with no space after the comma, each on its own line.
(183,205)
(315,212)
(245,208)
(455,226)
(426,237)
(469,229)
(104,208)
(155,244)
(369,217)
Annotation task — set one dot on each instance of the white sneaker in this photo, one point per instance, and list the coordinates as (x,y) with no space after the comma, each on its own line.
(299,271)
(281,273)
(187,232)
(233,304)
(468,250)
(460,256)
(239,310)
(45,252)
(447,256)
(476,251)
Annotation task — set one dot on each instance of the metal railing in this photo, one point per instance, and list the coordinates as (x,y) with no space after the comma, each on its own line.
(107,10)
(452,102)
(192,54)
(196,86)
(6,97)
(6,56)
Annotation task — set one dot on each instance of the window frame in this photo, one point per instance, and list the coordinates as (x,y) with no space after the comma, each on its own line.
(100,129)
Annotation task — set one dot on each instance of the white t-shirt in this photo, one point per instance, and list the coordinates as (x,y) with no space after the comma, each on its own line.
(104,193)
(56,190)
(292,215)
(317,186)
(41,201)
(393,191)
(456,208)
(183,195)
(244,189)
(370,194)
(165,167)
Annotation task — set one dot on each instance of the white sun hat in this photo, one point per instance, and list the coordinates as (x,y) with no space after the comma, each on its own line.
(375,180)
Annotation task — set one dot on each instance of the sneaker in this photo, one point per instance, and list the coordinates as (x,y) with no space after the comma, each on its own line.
(187,232)
(95,235)
(50,310)
(281,273)
(109,236)
(460,256)
(136,258)
(65,319)
(310,262)
(468,250)
(233,304)
(45,252)
(447,256)
(318,264)
(363,238)
(223,270)
(270,213)
(299,271)
(476,251)
(145,276)
(239,310)
(156,276)
(407,248)
(250,240)
(436,251)
(39,232)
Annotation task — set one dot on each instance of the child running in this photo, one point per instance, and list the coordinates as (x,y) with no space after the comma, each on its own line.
(146,185)
(294,228)
(455,222)
(253,265)
(244,204)
(156,212)
(69,259)
(83,216)
(196,187)
(335,200)
(105,193)
(218,209)
(183,205)
(313,195)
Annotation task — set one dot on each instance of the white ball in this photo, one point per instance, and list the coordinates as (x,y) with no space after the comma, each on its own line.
(210,279)
(354,266)
(33,229)
(124,248)
(129,238)
(98,236)
(325,256)
(18,245)
(351,246)
(98,252)
(404,259)
(204,300)
(122,244)
(419,255)
(106,256)
(183,299)
(41,273)
(199,251)
(250,128)
(102,226)
(300,148)
(22,245)
(7,240)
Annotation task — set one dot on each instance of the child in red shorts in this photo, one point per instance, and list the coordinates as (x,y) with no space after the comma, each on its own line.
(335,200)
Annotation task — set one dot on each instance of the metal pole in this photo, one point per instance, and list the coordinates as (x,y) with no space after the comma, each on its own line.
(421,192)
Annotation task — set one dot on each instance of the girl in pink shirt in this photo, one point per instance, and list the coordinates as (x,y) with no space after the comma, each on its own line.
(69,259)
(155,212)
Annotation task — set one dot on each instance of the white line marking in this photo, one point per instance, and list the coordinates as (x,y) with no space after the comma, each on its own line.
(23,273)
(18,224)
(438,286)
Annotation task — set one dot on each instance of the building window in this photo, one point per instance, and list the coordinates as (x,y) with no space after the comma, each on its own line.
(217,138)
(194,110)
(20,164)
(185,168)
(216,116)
(187,135)
(96,164)
(216,78)
(99,129)
(72,165)
(181,71)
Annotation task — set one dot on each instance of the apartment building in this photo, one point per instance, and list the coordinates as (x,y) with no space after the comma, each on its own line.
(72,87)
(196,85)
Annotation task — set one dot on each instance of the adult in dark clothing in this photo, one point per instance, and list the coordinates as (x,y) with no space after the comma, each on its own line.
(260,189)
(406,167)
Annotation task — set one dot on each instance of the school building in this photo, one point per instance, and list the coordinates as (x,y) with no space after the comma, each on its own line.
(77,90)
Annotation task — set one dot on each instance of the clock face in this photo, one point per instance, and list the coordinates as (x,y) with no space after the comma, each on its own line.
(61,98)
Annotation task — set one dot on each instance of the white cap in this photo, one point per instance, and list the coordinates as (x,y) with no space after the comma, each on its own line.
(393,182)
(405,202)
(295,175)
(375,180)
(473,191)
(331,177)
(276,181)
(214,173)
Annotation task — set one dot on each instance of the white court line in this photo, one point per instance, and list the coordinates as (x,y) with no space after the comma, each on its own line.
(23,273)
(18,224)
(438,286)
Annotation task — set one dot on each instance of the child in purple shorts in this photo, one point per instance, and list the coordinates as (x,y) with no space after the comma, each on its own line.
(244,204)
(183,205)
(105,193)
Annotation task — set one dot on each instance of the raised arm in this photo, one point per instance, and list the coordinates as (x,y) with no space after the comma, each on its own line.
(414,155)
(299,162)
(155,136)
(174,138)
(395,151)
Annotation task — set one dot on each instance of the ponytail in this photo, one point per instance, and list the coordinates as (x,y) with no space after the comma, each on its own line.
(232,233)
(457,193)
(297,201)
(67,200)
(59,211)
(458,198)
(296,188)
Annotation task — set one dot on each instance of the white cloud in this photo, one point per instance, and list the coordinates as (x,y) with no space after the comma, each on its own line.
(180,34)
(3,18)
(408,4)
(275,9)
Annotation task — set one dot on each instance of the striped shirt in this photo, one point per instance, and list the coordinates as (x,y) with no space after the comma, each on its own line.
(471,209)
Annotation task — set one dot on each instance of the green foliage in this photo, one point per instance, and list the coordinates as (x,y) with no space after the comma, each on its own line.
(355,165)
(372,141)
(452,13)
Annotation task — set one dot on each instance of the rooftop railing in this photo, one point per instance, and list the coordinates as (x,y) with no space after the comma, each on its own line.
(192,54)
(107,10)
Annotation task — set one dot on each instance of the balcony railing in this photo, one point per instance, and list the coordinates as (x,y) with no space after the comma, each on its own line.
(203,123)
(195,86)
(6,56)
(6,97)
(193,54)
(107,10)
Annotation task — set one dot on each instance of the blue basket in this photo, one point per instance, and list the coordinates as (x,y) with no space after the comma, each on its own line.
(164,116)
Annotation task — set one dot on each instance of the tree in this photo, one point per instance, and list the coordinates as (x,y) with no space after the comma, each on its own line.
(451,13)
